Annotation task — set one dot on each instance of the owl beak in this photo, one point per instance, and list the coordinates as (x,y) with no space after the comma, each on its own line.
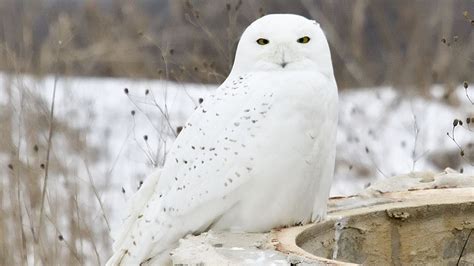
(283,62)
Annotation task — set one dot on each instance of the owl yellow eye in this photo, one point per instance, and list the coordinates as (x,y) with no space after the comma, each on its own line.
(304,39)
(262,41)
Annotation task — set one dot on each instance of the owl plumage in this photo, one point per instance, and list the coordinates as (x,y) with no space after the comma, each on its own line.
(257,154)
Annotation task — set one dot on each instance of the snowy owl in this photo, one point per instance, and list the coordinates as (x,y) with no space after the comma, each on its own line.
(257,154)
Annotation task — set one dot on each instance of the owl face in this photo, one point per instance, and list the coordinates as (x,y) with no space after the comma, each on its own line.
(283,42)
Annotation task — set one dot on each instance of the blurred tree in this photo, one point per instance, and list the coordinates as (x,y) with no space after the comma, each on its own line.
(373,42)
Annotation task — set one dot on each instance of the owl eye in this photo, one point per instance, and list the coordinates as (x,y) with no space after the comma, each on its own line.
(262,41)
(304,39)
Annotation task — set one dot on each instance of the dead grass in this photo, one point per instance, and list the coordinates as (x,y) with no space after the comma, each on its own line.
(51,208)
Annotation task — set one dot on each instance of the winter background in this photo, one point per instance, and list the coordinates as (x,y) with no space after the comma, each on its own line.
(93,93)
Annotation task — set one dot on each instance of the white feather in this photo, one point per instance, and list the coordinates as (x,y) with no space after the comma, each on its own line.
(258,154)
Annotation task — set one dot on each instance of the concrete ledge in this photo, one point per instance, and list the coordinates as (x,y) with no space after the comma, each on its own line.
(427,221)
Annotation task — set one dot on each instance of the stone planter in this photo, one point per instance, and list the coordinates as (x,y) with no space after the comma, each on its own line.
(419,218)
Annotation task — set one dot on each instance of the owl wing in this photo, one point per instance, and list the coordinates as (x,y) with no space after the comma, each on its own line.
(207,165)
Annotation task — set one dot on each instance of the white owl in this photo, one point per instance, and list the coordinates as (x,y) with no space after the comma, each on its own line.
(258,154)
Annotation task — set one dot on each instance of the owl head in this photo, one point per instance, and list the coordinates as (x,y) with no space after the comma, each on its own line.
(283,42)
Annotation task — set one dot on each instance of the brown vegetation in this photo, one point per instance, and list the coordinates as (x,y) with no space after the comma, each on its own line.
(373,42)
(50,211)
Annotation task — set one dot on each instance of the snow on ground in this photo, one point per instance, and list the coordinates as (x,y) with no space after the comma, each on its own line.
(380,132)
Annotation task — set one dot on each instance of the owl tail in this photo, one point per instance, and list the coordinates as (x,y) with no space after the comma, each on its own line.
(136,204)
(123,259)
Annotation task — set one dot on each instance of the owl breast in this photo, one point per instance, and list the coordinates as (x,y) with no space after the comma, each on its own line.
(296,119)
